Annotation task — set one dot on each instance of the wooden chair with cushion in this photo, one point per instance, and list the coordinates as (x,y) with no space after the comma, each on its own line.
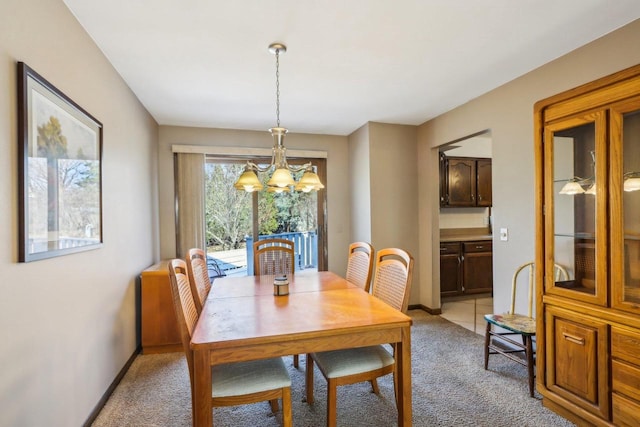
(360,264)
(232,383)
(274,257)
(391,284)
(500,341)
(198,277)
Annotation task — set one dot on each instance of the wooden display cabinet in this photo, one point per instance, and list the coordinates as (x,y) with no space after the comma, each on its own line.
(588,220)
(160,333)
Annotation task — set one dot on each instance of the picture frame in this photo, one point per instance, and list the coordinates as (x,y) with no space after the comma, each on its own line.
(60,172)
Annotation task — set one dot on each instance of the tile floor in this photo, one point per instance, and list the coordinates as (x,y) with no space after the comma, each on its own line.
(468,313)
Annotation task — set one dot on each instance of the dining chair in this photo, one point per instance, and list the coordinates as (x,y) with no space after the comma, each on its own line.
(391,284)
(275,257)
(512,324)
(360,264)
(232,384)
(198,276)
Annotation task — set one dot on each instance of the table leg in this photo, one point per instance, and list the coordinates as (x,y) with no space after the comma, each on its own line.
(201,401)
(403,372)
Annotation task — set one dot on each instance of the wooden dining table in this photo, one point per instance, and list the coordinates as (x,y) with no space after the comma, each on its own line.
(242,320)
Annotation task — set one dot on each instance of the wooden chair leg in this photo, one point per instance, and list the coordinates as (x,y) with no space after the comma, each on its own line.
(395,387)
(309,379)
(332,403)
(374,386)
(295,361)
(274,405)
(529,351)
(287,417)
(487,342)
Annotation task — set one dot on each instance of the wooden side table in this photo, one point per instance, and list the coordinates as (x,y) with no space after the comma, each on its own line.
(160,332)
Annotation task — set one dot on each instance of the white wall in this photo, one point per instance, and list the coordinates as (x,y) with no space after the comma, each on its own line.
(508,112)
(67,324)
(337,188)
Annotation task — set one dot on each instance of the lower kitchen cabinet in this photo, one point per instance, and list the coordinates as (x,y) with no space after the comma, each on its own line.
(450,269)
(477,267)
(466,268)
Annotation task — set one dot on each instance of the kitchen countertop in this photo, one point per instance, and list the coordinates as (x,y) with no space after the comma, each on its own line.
(464,234)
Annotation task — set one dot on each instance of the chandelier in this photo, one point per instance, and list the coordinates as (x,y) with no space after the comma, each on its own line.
(578,185)
(282,179)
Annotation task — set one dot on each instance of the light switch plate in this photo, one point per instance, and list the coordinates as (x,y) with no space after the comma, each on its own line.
(504,234)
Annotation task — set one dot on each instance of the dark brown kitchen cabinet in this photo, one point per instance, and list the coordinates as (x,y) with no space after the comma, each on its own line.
(466,268)
(483,182)
(477,267)
(465,181)
(450,269)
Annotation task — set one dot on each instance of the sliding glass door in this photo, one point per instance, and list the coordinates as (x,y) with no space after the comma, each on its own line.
(235,219)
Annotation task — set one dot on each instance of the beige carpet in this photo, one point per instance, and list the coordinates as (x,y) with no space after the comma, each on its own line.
(450,388)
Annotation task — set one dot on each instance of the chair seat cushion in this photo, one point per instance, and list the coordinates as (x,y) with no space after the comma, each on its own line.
(513,322)
(236,379)
(341,363)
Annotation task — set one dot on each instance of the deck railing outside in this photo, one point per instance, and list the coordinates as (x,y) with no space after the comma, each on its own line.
(305,246)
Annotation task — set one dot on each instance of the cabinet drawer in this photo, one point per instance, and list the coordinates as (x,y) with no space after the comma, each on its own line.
(625,379)
(626,412)
(449,248)
(479,246)
(625,345)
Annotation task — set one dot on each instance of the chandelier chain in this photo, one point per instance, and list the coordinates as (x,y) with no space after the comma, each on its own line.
(278,87)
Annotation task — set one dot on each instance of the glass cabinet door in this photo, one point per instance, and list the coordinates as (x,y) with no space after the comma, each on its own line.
(625,206)
(575,161)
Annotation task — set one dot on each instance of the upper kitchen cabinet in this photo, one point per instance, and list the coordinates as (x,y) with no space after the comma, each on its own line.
(465,181)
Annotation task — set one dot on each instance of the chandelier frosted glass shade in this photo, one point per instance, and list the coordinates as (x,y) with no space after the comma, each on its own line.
(572,187)
(281,178)
(309,182)
(248,181)
(632,184)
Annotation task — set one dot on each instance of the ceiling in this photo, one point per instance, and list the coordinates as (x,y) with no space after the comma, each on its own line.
(206,63)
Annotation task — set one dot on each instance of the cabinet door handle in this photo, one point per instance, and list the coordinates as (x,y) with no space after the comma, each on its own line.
(479,247)
(573,338)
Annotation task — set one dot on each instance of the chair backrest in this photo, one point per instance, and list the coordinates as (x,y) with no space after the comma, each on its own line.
(198,276)
(392,278)
(273,257)
(559,273)
(360,264)
(184,307)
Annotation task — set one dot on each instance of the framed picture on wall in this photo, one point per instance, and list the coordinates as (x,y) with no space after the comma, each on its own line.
(60,171)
